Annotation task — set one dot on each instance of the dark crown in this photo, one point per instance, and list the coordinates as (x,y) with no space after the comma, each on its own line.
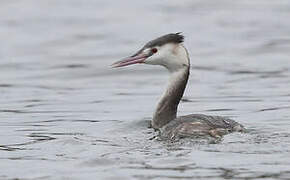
(168,38)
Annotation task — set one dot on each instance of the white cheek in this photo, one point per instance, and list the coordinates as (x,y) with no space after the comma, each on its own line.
(161,57)
(170,56)
(155,59)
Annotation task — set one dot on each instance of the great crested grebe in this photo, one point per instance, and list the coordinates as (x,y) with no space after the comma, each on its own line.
(169,52)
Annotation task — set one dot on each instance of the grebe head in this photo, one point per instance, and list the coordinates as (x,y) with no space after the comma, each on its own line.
(166,51)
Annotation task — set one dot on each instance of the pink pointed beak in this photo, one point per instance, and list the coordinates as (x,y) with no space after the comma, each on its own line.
(140,58)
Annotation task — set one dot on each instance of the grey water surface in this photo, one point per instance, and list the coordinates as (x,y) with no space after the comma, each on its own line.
(65,114)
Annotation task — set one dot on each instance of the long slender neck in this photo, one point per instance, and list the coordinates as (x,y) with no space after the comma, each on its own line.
(167,107)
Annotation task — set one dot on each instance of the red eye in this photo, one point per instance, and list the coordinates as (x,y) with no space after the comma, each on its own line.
(154,50)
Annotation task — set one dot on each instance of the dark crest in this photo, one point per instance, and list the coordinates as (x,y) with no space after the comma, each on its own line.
(168,38)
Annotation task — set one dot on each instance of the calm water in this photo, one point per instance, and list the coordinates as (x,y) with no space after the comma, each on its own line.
(64,114)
